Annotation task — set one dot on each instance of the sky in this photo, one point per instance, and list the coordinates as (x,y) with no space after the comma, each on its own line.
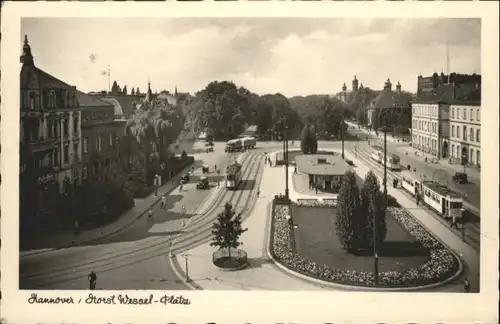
(292,56)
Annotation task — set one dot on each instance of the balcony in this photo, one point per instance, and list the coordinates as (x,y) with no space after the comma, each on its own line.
(41,144)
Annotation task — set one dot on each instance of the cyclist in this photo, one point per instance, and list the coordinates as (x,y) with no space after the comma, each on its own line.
(92,280)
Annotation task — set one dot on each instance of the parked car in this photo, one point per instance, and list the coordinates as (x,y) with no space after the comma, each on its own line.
(203,183)
(460,177)
(205,169)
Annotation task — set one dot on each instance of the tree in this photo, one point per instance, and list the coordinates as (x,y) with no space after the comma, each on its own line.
(132,92)
(137,92)
(348,220)
(308,140)
(125,90)
(227,229)
(372,205)
(114,87)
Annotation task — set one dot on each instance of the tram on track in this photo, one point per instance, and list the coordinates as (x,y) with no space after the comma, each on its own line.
(393,160)
(438,197)
(233,175)
(234,145)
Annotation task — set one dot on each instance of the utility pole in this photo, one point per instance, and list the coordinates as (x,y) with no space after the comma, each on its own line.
(342,132)
(109,79)
(185,256)
(285,153)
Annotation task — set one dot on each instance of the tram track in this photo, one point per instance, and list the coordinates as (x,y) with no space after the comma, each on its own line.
(472,231)
(127,256)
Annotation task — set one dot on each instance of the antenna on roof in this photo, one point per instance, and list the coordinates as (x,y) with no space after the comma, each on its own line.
(109,78)
(448,61)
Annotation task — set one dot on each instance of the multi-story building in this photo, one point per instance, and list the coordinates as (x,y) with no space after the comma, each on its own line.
(441,127)
(427,85)
(388,99)
(430,121)
(465,135)
(50,125)
(101,131)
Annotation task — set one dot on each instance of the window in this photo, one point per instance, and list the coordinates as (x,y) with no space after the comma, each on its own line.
(458,113)
(452,131)
(471,156)
(99,143)
(56,128)
(452,112)
(464,137)
(56,157)
(32,101)
(478,135)
(66,101)
(478,115)
(465,114)
(471,134)
(452,150)
(66,127)
(50,129)
(66,154)
(471,115)
(75,125)
(75,154)
(84,172)
(110,139)
(85,145)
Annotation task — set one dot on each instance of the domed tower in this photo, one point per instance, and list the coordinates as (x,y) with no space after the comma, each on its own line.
(26,57)
(355,84)
(388,84)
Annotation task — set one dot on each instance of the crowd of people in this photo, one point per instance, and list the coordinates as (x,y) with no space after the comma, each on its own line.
(441,265)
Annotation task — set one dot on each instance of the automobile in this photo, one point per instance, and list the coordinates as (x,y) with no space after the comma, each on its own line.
(205,169)
(185,178)
(460,177)
(203,183)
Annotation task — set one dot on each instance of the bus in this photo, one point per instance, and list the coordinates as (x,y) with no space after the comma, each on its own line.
(233,175)
(393,160)
(444,201)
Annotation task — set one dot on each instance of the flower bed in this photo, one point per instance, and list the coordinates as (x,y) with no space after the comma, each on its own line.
(442,263)
(327,203)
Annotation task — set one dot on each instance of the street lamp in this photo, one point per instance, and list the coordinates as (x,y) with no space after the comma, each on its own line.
(285,152)
(187,273)
(342,132)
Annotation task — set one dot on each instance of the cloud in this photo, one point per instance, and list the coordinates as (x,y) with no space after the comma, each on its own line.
(287,55)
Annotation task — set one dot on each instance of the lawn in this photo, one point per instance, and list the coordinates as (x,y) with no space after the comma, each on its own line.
(316,240)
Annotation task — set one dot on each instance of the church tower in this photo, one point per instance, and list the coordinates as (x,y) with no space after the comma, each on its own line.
(388,84)
(344,93)
(355,85)
(149,93)
(26,57)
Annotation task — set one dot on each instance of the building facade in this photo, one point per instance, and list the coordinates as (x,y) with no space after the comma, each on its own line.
(388,99)
(101,133)
(465,131)
(446,119)
(50,125)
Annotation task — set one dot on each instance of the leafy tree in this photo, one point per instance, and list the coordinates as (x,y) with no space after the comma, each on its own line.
(125,89)
(115,87)
(308,140)
(227,229)
(348,220)
(132,92)
(372,205)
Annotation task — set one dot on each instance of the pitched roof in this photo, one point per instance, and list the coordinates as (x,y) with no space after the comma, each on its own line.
(390,99)
(90,101)
(49,81)
(450,93)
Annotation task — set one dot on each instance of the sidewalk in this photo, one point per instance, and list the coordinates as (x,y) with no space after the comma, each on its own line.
(469,256)
(262,274)
(65,239)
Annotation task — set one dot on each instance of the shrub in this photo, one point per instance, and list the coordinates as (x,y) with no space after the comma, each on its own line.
(441,265)
(281,199)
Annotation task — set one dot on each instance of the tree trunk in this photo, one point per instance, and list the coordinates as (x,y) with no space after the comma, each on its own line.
(229,252)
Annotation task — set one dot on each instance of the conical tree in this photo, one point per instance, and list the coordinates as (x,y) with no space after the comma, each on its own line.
(227,229)
(348,217)
(372,207)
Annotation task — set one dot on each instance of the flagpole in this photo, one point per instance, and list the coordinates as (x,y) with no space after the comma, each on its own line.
(109,79)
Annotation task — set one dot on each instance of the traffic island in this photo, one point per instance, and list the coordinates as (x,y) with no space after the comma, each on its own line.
(230,260)
(303,242)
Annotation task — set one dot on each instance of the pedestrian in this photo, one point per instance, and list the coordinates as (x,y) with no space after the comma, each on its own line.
(295,170)
(454,222)
(183,223)
(218,184)
(150,213)
(316,187)
(417,198)
(466,285)
(215,167)
(180,187)
(92,277)
(163,201)
(183,210)
(258,192)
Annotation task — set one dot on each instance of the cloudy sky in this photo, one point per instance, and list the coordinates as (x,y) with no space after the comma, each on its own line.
(293,56)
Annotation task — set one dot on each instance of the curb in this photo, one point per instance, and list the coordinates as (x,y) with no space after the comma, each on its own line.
(128,224)
(241,267)
(352,287)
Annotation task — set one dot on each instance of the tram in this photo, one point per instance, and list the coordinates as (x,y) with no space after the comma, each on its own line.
(234,145)
(438,197)
(233,175)
(393,160)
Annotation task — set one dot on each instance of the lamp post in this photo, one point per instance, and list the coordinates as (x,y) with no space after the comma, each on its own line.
(285,153)
(185,256)
(342,132)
